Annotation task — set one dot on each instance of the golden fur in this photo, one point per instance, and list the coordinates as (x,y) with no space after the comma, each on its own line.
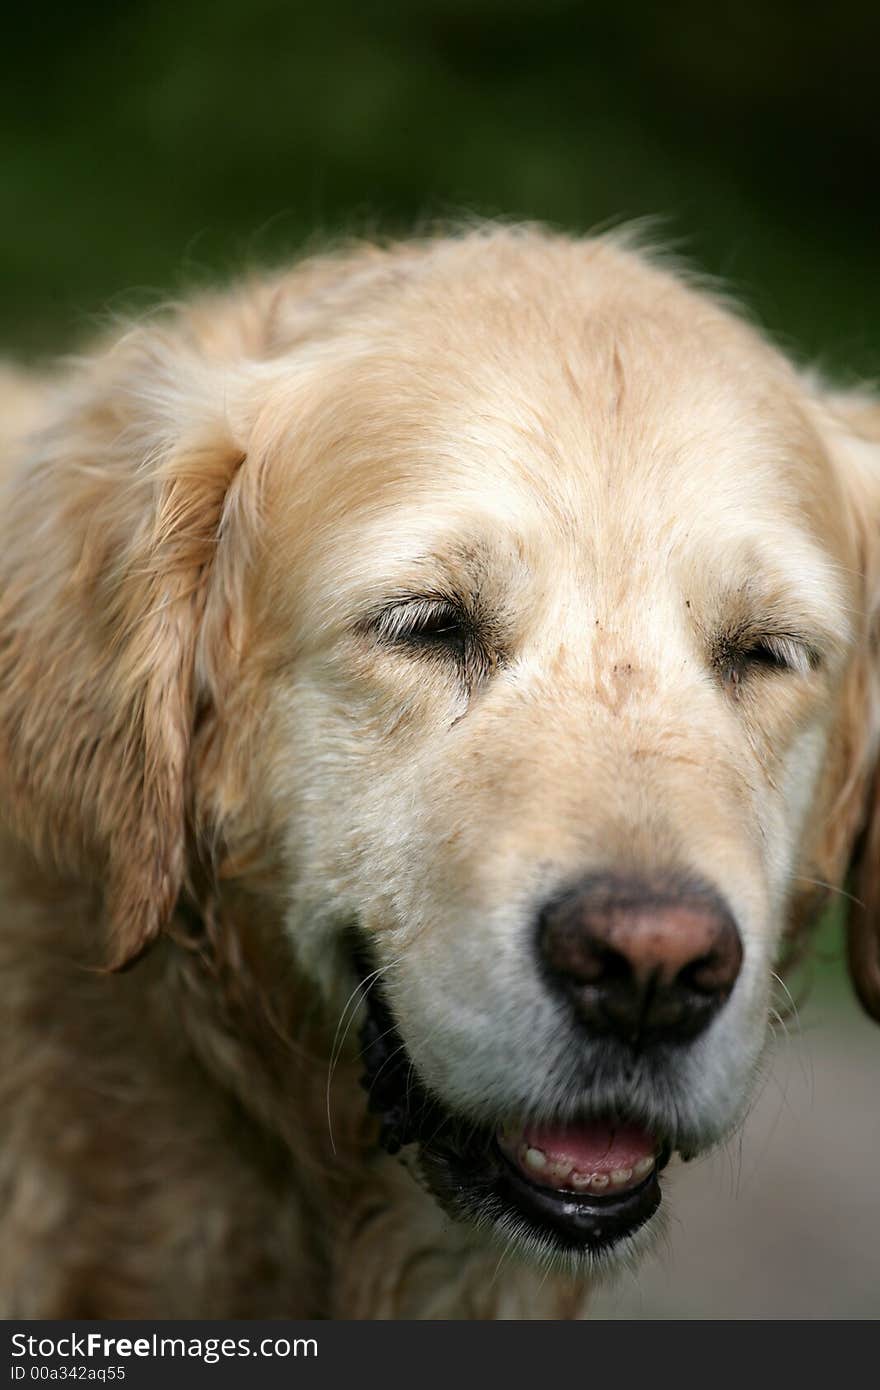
(198,521)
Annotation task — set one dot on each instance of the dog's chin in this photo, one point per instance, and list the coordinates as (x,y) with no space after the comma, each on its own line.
(557,1225)
(572,1194)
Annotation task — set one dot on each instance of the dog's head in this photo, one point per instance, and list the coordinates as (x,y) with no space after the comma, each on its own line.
(504,607)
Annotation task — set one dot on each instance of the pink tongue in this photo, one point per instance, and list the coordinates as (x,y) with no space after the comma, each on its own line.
(593,1148)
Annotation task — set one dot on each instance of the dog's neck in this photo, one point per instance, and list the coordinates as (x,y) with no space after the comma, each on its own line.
(223,980)
(260,1029)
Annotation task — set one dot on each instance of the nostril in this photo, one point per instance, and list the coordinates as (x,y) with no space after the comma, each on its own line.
(574,952)
(615,965)
(701,975)
(715,973)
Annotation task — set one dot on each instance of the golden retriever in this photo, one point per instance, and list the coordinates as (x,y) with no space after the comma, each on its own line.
(449,673)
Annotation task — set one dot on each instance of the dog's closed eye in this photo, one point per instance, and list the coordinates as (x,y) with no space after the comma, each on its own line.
(745,652)
(430,621)
(436,625)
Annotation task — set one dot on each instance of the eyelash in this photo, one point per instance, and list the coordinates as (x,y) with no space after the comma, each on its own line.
(775,653)
(440,627)
(429,622)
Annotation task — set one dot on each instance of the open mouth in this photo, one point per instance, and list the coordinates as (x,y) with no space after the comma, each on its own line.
(589,1184)
(577,1187)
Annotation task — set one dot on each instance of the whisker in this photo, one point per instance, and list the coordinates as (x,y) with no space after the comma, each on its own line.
(795,1013)
(831,887)
(807,1071)
(353,1002)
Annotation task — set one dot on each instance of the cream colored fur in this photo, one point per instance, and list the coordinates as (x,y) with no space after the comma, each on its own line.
(199,523)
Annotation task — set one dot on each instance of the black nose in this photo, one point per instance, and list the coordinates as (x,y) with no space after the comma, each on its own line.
(647,962)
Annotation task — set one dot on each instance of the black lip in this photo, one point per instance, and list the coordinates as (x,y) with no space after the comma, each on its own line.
(582,1220)
(466,1171)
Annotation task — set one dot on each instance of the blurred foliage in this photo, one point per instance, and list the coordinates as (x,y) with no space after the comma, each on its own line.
(147,144)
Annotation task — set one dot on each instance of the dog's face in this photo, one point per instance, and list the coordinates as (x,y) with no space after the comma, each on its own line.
(569,585)
(524,597)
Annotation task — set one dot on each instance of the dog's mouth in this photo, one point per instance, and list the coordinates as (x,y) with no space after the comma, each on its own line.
(571,1188)
(588,1184)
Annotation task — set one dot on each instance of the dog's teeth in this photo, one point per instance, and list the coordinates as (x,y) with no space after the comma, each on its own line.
(559,1170)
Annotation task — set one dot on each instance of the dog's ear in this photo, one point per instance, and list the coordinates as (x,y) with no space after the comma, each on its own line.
(109,542)
(850,424)
(863,926)
(123,532)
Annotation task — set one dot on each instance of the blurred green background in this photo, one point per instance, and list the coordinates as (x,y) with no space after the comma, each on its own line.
(148,144)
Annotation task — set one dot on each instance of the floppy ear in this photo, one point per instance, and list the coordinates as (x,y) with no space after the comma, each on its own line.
(863,927)
(851,425)
(111,527)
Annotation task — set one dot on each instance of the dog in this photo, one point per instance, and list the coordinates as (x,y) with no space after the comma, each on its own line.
(438,689)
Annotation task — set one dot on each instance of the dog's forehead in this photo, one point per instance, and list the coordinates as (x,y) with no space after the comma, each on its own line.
(612,451)
(564,422)
(603,382)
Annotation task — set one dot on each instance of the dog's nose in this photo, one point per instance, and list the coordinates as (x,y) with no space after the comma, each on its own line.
(647,963)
